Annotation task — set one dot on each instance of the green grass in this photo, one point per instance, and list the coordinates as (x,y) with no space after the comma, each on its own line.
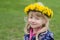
(12,15)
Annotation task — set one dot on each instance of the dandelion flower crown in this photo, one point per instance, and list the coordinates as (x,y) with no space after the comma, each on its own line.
(39,8)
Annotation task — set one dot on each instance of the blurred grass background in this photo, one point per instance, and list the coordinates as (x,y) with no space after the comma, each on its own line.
(12,15)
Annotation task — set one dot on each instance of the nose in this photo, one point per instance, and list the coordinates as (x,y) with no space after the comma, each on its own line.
(33,20)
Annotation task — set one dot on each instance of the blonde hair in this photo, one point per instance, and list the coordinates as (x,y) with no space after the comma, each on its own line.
(40,3)
(27,26)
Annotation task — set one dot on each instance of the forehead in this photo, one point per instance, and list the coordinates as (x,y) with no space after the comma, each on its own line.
(37,14)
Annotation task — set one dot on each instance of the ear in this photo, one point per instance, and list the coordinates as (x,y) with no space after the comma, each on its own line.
(44,23)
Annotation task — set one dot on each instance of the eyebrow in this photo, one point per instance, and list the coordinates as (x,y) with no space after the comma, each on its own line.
(37,14)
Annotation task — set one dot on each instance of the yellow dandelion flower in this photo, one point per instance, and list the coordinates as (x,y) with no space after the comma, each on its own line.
(38,7)
(32,7)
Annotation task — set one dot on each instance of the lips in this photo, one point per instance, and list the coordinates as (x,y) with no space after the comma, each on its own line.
(33,24)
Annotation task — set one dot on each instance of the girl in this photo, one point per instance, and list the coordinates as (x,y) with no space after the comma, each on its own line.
(38,17)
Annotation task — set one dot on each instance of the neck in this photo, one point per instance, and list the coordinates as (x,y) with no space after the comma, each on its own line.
(35,30)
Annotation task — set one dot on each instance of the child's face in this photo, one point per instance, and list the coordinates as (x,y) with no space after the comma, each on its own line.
(35,19)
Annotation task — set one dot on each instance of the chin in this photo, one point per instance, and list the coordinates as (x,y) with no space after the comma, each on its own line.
(34,26)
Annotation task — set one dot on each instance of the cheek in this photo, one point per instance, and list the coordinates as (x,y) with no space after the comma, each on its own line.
(29,20)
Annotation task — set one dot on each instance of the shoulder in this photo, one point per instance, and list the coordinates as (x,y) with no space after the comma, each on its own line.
(26,36)
(46,35)
(50,35)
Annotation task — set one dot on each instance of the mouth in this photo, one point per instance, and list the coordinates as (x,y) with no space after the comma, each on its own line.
(33,24)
